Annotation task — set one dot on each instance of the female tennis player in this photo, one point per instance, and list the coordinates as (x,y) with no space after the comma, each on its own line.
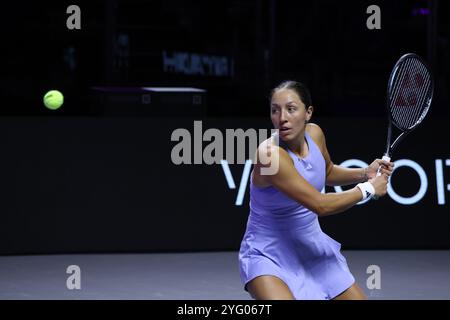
(284,253)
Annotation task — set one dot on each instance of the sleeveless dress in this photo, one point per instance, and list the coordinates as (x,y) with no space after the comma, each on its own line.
(284,239)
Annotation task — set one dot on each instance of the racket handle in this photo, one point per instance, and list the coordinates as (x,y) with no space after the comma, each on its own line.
(385,158)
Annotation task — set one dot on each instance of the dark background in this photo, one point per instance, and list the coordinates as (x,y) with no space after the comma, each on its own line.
(96,175)
(325,44)
(108,184)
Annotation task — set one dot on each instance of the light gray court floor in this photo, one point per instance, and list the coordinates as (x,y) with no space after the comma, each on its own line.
(204,276)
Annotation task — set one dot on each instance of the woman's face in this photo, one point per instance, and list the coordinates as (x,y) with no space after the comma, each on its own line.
(288,114)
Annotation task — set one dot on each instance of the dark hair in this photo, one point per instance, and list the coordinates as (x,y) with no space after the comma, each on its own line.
(298,87)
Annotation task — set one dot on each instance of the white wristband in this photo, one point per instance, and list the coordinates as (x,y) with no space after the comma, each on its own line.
(367,189)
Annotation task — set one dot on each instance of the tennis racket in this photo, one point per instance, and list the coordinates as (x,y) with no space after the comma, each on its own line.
(409,95)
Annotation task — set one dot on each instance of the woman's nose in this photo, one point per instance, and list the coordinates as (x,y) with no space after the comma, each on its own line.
(283,116)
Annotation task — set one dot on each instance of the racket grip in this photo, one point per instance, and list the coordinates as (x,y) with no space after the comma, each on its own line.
(385,158)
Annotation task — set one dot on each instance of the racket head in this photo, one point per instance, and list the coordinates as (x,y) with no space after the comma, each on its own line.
(410,92)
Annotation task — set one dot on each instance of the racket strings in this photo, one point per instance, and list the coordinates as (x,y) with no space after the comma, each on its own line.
(411,88)
(421,96)
(409,97)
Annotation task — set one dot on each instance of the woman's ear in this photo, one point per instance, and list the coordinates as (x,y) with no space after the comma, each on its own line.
(309,113)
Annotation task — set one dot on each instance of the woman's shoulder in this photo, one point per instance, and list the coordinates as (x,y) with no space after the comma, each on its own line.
(315,133)
(271,147)
(314,129)
(269,155)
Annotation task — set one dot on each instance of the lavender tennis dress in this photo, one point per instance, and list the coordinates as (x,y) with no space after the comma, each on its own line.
(284,239)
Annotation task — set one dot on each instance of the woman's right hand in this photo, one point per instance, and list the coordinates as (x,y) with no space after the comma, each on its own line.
(380,184)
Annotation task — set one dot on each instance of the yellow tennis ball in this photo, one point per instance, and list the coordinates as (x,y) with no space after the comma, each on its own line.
(53,99)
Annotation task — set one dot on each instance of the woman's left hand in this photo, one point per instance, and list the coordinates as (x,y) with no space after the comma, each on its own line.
(386,167)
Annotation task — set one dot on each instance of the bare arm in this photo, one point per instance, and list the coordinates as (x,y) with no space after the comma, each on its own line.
(341,176)
(287,180)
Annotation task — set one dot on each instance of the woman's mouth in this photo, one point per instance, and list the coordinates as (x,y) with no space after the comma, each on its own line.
(285,131)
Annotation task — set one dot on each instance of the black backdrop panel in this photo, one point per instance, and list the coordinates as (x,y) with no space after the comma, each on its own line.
(109,185)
